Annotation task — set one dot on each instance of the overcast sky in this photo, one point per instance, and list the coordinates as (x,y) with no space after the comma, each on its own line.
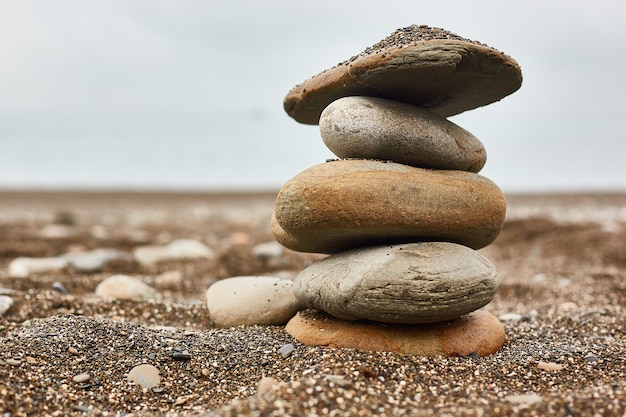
(168,65)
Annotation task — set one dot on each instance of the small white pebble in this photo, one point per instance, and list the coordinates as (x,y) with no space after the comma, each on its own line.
(286,350)
(84,377)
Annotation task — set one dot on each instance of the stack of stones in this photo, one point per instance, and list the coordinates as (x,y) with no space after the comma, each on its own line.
(403,212)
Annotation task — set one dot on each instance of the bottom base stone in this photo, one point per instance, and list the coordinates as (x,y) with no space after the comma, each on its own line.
(478,332)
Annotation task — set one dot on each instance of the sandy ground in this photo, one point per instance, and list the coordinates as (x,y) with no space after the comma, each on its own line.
(562,269)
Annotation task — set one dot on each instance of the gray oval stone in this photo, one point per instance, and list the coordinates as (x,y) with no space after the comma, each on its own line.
(412,283)
(375,128)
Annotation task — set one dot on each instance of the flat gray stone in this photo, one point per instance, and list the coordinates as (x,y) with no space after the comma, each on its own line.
(411,283)
(375,128)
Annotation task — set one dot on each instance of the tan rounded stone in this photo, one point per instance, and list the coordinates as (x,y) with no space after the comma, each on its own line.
(375,128)
(251,300)
(341,205)
(411,283)
(479,332)
(444,74)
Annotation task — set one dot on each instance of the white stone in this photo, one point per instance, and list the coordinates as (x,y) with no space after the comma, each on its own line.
(268,250)
(145,375)
(251,300)
(177,249)
(23,267)
(125,287)
(94,260)
(5,304)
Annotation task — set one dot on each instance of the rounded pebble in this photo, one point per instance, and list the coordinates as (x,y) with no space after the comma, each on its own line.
(286,350)
(23,267)
(375,128)
(341,205)
(251,300)
(84,377)
(14,362)
(410,283)
(182,355)
(124,287)
(5,304)
(145,375)
(176,249)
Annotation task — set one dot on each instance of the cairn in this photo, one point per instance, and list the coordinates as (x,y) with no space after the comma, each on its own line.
(403,212)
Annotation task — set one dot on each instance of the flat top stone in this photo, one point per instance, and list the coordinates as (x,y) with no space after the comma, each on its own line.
(420,65)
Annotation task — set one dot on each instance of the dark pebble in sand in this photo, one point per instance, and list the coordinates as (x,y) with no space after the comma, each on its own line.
(82,408)
(181,355)
(590,357)
(57,286)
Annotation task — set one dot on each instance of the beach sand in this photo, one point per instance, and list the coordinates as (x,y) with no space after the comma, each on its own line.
(562,296)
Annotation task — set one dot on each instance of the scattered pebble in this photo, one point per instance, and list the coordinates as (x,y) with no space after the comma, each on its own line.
(72,350)
(590,357)
(95,260)
(286,350)
(268,250)
(177,249)
(14,362)
(80,378)
(251,300)
(169,280)
(182,355)
(82,409)
(510,317)
(125,287)
(58,287)
(5,304)
(23,267)
(145,375)
(550,366)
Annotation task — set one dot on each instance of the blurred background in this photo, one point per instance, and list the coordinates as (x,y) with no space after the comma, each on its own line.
(171,95)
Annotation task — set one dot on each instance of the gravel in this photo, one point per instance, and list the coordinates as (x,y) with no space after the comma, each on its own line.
(561,298)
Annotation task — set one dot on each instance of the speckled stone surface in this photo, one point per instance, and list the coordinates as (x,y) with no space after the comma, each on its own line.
(411,283)
(341,205)
(374,128)
(479,332)
(424,66)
